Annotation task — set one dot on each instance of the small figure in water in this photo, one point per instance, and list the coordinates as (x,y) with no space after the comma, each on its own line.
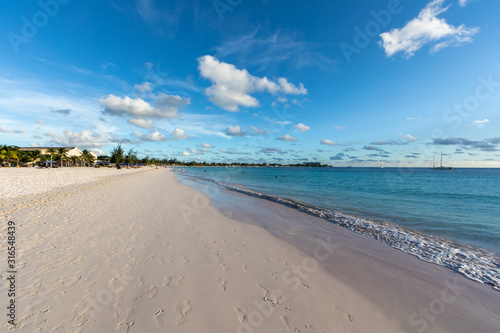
(205,170)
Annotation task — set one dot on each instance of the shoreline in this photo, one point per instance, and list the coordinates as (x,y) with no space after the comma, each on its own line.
(146,253)
(476,264)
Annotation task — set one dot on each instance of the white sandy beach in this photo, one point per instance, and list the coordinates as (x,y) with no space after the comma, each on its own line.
(142,253)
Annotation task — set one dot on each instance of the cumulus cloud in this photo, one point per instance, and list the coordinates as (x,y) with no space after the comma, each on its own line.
(408,137)
(234,131)
(302,128)
(83,140)
(231,87)
(327,142)
(206,145)
(185,153)
(287,138)
(153,136)
(179,134)
(143,123)
(339,128)
(480,123)
(427,28)
(165,106)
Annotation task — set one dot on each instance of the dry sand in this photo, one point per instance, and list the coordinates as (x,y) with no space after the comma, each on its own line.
(25,181)
(143,253)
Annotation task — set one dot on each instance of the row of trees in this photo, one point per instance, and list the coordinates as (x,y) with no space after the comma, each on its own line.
(14,155)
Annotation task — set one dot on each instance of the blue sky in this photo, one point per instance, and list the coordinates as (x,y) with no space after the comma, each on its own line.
(339,82)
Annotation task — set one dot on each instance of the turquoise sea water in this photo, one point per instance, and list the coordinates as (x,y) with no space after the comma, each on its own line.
(420,211)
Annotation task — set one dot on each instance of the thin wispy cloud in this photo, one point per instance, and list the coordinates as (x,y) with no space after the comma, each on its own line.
(263,50)
(425,29)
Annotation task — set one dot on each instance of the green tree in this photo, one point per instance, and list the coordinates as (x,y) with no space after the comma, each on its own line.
(51,152)
(61,155)
(117,155)
(87,157)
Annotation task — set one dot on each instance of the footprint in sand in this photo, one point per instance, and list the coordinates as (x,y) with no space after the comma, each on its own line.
(125,325)
(153,291)
(186,260)
(347,315)
(287,325)
(167,280)
(180,280)
(59,297)
(158,315)
(139,283)
(119,310)
(224,267)
(241,316)
(223,285)
(183,312)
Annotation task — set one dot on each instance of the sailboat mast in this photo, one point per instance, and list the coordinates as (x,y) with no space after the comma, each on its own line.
(441,159)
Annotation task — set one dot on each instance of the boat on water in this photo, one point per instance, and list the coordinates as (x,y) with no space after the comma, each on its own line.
(441,167)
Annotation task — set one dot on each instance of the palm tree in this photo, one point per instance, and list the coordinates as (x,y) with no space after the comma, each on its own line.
(51,151)
(87,156)
(36,155)
(61,154)
(73,159)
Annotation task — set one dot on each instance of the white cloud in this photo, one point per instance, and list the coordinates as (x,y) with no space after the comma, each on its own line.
(165,106)
(427,28)
(328,142)
(234,131)
(408,137)
(302,128)
(147,124)
(339,128)
(40,121)
(462,3)
(206,145)
(185,153)
(231,87)
(145,87)
(153,136)
(83,140)
(98,151)
(179,134)
(480,123)
(287,138)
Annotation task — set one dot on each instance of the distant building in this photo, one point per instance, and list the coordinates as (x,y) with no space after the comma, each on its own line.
(70,151)
(312,164)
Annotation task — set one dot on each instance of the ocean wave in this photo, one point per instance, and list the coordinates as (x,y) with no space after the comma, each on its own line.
(476,264)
